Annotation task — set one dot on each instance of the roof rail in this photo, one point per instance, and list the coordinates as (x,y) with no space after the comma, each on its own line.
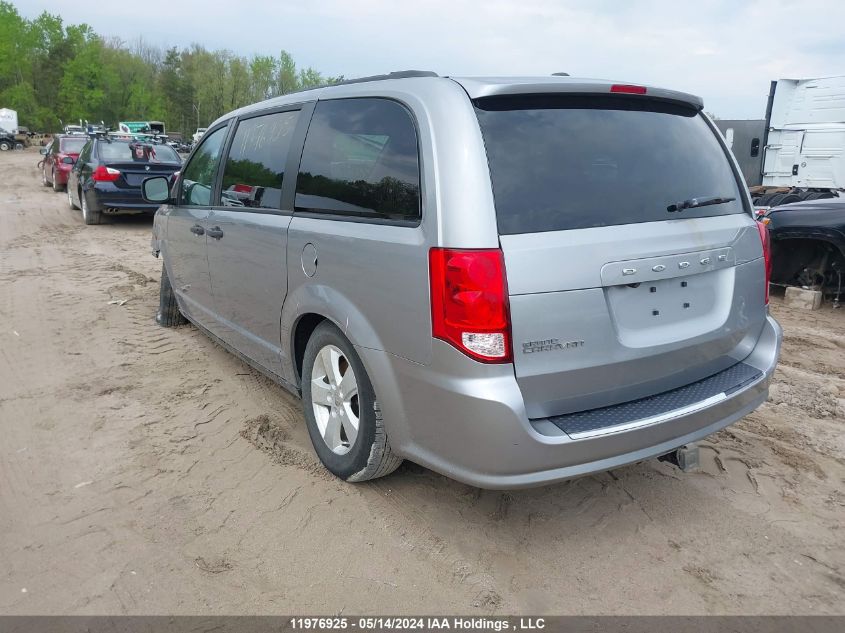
(399,74)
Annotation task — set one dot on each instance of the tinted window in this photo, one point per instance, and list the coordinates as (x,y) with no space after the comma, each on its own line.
(127,151)
(85,154)
(577,162)
(198,175)
(360,159)
(72,145)
(255,166)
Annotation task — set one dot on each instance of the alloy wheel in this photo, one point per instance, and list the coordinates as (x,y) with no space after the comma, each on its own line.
(334,397)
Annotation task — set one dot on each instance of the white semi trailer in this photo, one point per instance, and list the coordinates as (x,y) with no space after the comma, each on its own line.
(9,120)
(803,155)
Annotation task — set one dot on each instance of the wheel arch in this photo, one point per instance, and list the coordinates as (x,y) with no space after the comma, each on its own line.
(794,252)
(822,235)
(302,331)
(309,305)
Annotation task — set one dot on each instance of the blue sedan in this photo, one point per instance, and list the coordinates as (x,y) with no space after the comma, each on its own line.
(107,176)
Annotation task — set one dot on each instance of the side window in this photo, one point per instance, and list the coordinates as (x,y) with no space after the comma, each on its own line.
(360,159)
(85,154)
(255,166)
(198,175)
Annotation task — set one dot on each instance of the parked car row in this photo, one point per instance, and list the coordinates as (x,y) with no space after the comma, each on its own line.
(102,173)
(181,146)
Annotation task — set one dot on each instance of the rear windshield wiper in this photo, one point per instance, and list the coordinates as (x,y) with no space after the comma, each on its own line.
(692,203)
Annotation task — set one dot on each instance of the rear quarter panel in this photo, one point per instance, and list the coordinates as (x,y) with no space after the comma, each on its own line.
(372,279)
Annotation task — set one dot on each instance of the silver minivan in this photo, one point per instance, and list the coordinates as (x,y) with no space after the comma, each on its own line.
(511,281)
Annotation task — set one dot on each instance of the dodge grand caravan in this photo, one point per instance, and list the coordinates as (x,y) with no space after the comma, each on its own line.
(512,281)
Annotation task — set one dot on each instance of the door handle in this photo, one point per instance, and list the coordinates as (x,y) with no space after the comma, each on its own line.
(216,232)
(196,229)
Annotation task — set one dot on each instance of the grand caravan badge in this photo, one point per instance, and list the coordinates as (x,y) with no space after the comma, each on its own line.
(549,345)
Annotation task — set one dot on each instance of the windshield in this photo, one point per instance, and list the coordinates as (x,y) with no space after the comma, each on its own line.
(571,162)
(72,145)
(124,152)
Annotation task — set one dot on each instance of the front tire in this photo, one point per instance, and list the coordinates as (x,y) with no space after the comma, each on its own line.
(5,146)
(168,309)
(341,411)
(89,215)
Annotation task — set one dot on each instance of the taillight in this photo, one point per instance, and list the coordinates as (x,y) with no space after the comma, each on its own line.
(628,89)
(105,174)
(767,254)
(469,302)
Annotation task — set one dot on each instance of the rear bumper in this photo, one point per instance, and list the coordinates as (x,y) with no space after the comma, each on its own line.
(61,173)
(107,197)
(469,423)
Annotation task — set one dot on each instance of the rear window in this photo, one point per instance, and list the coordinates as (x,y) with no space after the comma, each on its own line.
(72,145)
(577,162)
(125,152)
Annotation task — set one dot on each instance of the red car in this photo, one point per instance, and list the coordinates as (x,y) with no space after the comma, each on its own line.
(59,157)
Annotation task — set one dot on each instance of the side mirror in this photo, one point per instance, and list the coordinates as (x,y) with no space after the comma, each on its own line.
(43,151)
(156,189)
(67,160)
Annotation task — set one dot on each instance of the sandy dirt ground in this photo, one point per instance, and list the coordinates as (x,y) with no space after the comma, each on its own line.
(147,471)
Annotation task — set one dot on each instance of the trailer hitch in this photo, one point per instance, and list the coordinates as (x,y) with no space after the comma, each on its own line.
(685,458)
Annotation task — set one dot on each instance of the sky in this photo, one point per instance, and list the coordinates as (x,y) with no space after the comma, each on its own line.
(726,51)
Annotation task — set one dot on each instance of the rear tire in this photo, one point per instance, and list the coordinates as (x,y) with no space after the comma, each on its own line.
(168,309)
(56,186)
(776,199)
(368,454)
(88,215)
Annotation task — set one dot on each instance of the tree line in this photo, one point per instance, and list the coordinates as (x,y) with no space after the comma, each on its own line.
(52,72)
